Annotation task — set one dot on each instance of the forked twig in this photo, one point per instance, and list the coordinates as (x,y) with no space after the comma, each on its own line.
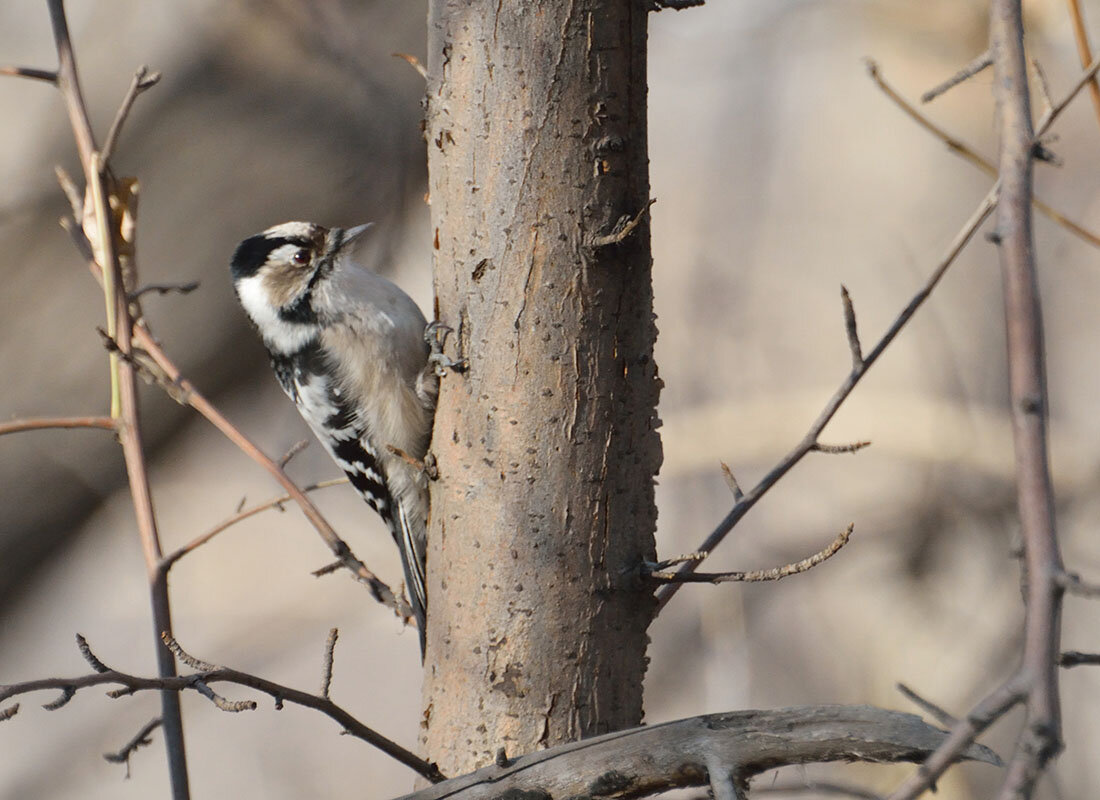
(809,441)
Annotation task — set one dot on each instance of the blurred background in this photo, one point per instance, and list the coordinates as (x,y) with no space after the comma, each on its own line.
(780,172)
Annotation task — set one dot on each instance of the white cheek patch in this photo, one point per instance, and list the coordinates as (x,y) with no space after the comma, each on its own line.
(278,334)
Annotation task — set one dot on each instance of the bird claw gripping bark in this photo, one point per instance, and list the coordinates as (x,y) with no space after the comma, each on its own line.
(436,336)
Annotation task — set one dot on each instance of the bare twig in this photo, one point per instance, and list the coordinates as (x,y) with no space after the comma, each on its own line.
(624,227)
(1036,681)
(994,706)
(1073,584)
(937,713)
(9,712)
(43,423)
(74,196)
(47,75)
(326,664)
(1043,87)
(89,656)
(184,656)
(1041,738)
(850,328)
(1084,52)
(413,62)
(141,739)
(378,589)
(970,155)
(169,560)
(164,288)
(967,72)
(835,449)
(232,706)
(294,450)
(67,694)
(731,482)
(1075,658)
(663,564)
(131,684)
(122,378)
(809,441)
(143,79)
(758,576)
(1087,78)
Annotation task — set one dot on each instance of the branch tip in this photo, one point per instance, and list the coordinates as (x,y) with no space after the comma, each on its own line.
(326,664)
(89,656)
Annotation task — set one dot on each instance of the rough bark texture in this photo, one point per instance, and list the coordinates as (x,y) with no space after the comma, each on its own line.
(547,448)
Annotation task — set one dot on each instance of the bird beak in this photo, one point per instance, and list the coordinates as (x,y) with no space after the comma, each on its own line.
(351,234)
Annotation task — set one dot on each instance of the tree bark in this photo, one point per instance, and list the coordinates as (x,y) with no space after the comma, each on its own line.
(547,448)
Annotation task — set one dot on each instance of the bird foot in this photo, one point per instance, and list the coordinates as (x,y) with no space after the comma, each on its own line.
(436,336)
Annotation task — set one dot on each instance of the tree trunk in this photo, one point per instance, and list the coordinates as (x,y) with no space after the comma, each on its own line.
(547,448)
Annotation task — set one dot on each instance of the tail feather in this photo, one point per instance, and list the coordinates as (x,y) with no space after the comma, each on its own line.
(412,561)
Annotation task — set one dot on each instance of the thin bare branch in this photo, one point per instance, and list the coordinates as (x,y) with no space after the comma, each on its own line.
(122,379)
(131,684)
(194,663)
(413,62)
(47,75)
(1073,584)
(759,576)
(67,694)
(89,656)
(1041,738)
(741,507)
(624,227)
(850,328)
(326,664)
(836,449)
(44,423)
(141,739)
(74,196)
(962,735)
(937,713)
(164,288)
(294,450)
(970,155)
(277,502)
(1087,78)
(731,482)
(1045,103)
(232,706)
(378,589)
(1075,658)
(1084,52)
(966,73)
(143,79)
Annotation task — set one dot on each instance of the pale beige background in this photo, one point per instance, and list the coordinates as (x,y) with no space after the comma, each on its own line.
(780,172)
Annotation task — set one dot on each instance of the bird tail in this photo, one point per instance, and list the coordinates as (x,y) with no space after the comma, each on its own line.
(412,562)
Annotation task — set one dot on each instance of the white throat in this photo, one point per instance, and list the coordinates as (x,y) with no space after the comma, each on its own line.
(279,335)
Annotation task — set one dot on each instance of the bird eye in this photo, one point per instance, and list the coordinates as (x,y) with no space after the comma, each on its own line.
(301,257)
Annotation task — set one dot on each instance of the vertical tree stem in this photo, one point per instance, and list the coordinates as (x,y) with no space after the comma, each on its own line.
(1029,404)
(547,448)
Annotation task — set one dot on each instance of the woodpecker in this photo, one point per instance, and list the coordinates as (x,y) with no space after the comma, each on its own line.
(358,358)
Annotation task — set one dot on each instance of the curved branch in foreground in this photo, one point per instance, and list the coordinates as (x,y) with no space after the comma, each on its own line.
(654,758)
(199,681)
